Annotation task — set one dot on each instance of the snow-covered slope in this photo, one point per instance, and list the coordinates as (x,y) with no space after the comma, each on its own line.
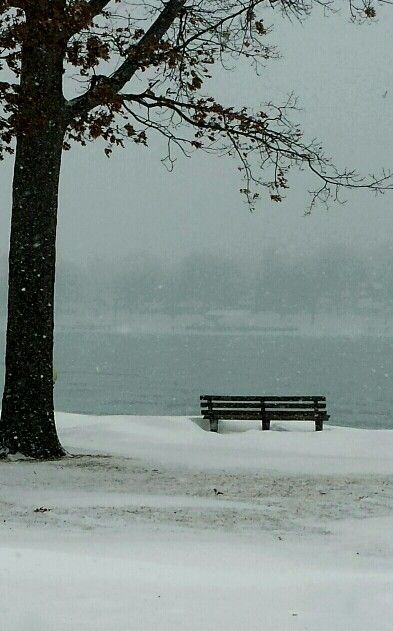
(134,536)
(291,447)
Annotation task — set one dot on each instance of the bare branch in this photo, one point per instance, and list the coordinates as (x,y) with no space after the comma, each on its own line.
(128,68)
(260,143)
(97,6)
(169,47)
(148,41)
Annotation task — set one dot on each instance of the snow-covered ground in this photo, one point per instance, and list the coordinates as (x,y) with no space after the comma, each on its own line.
(130,533)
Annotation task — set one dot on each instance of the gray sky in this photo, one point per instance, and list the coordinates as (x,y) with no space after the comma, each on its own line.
(130,203)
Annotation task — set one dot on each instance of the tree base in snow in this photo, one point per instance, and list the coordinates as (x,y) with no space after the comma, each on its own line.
(38,442)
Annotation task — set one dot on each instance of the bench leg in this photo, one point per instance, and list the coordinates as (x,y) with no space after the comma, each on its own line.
(213,424)
(319,425)
(265,425)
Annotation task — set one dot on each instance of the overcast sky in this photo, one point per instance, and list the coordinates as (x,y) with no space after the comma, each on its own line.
(339,70)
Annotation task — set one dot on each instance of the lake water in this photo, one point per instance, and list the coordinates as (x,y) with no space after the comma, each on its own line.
(164,374)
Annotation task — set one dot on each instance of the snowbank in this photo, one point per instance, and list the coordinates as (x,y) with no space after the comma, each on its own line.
(180,442)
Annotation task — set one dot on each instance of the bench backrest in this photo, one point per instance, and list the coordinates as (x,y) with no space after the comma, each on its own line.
(254,407)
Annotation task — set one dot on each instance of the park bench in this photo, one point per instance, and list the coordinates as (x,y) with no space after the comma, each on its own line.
(264,409)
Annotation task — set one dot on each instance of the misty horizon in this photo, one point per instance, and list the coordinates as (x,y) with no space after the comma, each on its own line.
(335,280)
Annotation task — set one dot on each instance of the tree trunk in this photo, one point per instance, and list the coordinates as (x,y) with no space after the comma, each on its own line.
(27,422)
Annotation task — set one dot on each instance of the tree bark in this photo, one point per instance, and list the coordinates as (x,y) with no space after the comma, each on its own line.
(27,422)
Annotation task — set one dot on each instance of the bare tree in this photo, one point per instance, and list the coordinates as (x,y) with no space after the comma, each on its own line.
(140,67)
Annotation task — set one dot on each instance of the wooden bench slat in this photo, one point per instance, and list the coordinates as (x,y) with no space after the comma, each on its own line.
(265,398)
(232,404)
(268,406)
(273,416)
(296,406)
(247,416)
